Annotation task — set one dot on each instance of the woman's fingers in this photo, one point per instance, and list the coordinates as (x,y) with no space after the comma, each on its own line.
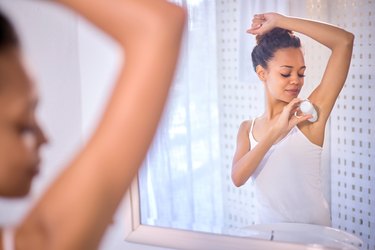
(260,16)
(293,105)
(255,29)
(291,109)
(262,23)
(257,23)
(295,120)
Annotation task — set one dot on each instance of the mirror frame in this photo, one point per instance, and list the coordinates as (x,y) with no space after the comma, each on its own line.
(136,232)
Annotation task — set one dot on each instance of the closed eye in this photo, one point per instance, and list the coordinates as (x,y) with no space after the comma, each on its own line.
(288,75)
(23,129)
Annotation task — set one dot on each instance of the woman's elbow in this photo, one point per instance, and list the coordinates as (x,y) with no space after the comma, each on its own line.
(237,181)
(170,19)
(349,39)
(344,43)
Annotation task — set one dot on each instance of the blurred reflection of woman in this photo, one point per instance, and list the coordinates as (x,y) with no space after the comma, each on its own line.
(279,150)
(76,210)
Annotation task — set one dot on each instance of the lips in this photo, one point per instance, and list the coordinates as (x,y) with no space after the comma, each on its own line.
(293,91)
(34,168)
(33,171)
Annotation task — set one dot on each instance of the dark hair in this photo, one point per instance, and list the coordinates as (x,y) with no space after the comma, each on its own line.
(270,42)
(8,36)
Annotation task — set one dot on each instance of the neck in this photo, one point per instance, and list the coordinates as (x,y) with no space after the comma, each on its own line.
(273,107)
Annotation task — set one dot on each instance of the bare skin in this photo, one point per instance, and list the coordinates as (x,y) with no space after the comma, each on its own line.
(76,210)
(20,134)
(282,80)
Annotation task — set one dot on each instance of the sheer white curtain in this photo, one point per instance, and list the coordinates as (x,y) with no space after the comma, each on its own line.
(180,181)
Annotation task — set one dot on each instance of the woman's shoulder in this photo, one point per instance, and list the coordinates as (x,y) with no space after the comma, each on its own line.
(245,126)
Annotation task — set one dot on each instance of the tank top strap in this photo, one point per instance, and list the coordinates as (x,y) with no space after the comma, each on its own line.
(8,238)
(252,125)
(253,142)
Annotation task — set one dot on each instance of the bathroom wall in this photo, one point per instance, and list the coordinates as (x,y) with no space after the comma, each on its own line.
(352,123)
(241,98)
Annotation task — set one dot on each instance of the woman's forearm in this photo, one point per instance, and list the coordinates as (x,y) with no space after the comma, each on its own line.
(244,168)
(329,35)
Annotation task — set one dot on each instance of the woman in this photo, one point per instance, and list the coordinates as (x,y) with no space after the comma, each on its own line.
(76,209)
(279,150)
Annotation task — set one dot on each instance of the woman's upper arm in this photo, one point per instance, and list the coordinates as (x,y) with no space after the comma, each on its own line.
(76,209)
(334,77)
(243,142)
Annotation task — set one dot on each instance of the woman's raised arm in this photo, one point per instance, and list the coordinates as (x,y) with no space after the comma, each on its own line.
(76,209)
(339,41)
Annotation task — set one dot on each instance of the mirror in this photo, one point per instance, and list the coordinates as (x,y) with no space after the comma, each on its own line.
(185,183)
(214,91)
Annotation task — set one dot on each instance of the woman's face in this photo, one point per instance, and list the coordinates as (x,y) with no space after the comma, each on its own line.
(284,76)
(20,134)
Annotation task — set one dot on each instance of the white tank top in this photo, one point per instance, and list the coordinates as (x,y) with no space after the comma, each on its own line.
(288,182)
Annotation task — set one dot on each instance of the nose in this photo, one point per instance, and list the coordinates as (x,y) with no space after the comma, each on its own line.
(41,137)
(295,80)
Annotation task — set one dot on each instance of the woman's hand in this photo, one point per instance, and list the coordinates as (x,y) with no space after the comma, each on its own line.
(262,23)
(287,120)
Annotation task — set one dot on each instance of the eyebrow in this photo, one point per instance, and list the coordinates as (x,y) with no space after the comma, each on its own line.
(291,67)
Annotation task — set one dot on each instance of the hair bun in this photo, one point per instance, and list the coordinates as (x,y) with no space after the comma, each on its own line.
(270,42)
(273,34)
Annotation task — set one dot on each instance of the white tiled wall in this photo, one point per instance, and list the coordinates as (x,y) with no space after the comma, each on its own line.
(352,123)
(239,100)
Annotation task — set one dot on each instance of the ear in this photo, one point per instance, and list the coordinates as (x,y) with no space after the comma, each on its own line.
(261,72)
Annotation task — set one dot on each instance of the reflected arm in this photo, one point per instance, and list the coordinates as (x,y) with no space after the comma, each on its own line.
(245,161)
(340,42)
